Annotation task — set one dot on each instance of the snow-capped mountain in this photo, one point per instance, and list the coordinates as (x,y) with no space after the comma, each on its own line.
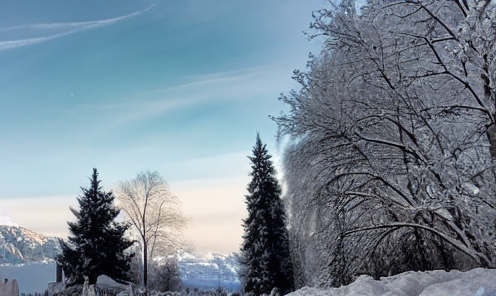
(210,271)
(21,245)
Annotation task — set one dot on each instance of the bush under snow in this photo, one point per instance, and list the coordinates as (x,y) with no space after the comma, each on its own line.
(476,282)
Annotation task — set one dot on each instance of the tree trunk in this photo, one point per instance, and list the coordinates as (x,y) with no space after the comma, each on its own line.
(145,265)
(491,134)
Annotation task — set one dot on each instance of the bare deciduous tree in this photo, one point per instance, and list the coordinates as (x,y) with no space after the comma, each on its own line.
(155,216)
(389,165)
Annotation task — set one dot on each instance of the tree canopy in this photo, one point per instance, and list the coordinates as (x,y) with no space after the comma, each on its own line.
(390,156)
(155,216)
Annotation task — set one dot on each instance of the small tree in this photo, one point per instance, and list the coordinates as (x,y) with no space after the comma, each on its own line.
(154,214)
(165,276)
(97,245)
(265,250)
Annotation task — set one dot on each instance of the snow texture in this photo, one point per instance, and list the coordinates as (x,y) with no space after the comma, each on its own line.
(20,245)
(209,271)
(476,282)
(7,221)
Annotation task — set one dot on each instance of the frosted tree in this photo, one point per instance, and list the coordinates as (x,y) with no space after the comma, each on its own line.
(265,251)
(390,161)
(155,216)
(96,245)
(165,276)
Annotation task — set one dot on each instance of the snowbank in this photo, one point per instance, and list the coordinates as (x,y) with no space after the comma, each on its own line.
(476,282)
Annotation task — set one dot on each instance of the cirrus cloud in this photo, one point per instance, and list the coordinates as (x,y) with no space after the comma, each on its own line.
(47,32)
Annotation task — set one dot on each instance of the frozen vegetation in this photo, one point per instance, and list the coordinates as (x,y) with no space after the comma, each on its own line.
(390,143)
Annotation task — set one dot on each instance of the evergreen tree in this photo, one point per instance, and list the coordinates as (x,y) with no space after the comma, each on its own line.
(97,245)
(265,250)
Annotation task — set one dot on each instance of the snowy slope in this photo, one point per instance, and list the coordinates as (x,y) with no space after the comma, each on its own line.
(210,271)
(21,245)
(476,282)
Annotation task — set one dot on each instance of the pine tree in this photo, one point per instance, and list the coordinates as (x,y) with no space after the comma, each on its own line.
(97,245)
(265,250)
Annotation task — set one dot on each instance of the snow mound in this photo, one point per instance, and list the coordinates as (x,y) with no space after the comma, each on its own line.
(476,282)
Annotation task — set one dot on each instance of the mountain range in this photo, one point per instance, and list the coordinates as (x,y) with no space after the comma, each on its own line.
(210,272)
(19,245)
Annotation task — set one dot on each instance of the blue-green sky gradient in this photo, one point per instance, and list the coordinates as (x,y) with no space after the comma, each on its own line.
(180,87)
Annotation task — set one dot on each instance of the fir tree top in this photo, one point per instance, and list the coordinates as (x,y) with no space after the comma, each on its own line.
(263,171)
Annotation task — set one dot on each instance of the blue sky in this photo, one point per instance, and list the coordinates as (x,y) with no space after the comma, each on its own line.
(180,87)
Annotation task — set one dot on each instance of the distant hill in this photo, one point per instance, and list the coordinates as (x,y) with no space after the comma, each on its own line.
(210,271)
(20,245)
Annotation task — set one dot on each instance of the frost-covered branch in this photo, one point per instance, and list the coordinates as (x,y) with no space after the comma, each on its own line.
(154,213)
(389,128)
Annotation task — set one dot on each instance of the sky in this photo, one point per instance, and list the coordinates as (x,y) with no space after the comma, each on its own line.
(176,86)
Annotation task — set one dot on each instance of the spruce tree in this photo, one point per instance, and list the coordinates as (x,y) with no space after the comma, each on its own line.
(97,244)
(265,251)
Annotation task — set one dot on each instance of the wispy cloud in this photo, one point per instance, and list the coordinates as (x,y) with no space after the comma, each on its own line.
(47,32)
(198,89)
(227,86)
(135,111)
(218,78)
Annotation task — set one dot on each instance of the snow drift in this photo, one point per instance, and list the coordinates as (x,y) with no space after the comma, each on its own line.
(476,282)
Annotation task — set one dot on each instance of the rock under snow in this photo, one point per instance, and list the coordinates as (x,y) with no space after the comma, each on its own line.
(20,245)
(476,282)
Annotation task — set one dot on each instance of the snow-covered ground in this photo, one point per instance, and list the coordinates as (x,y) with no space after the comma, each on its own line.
(476,282)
